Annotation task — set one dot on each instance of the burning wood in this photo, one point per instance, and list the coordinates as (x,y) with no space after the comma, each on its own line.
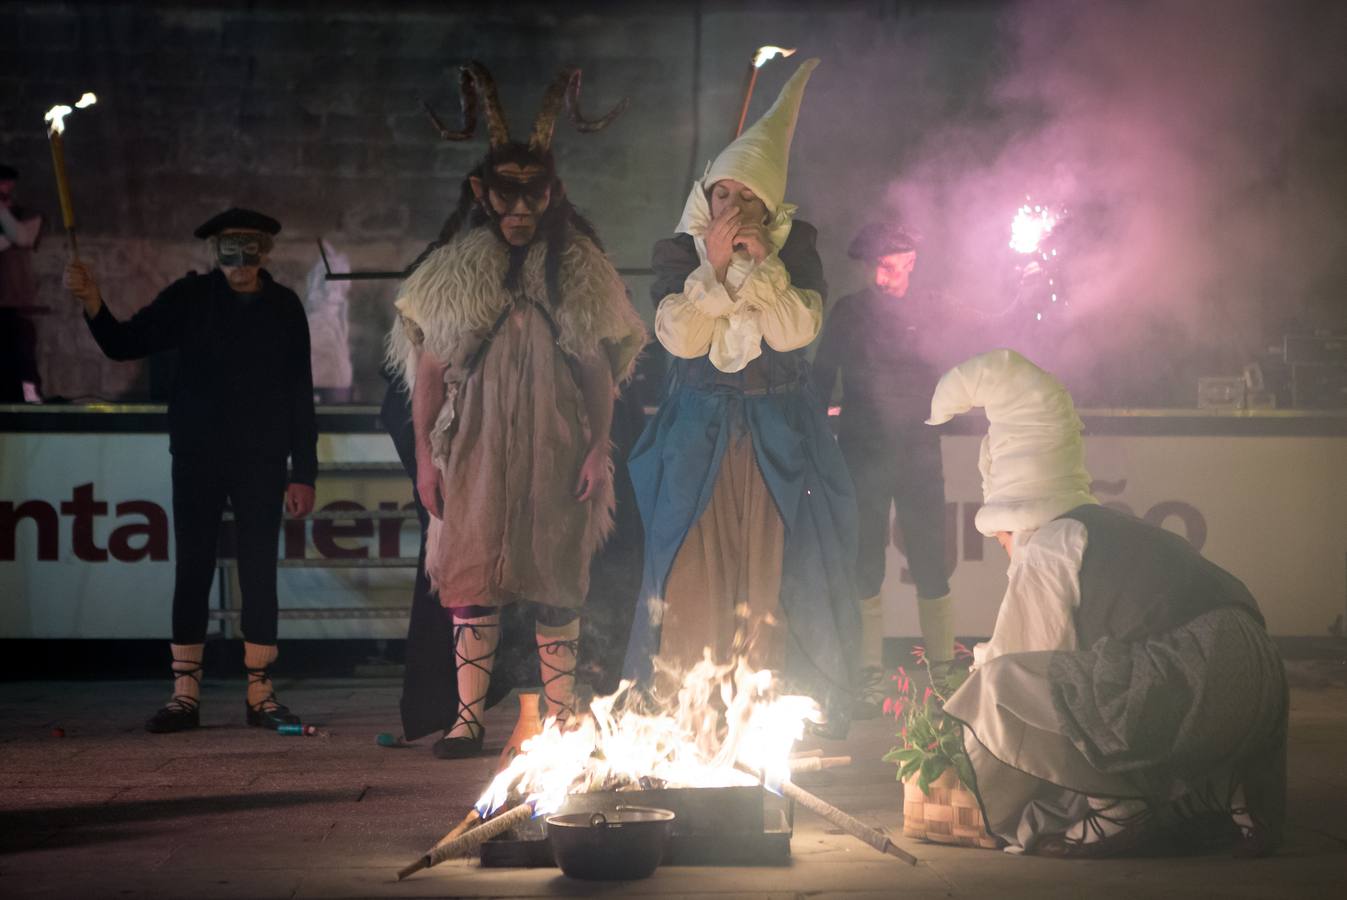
(729,730)
(818,763)
(469,841)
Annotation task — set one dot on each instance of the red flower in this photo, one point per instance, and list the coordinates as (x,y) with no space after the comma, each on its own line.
(961,652)
(919,653)
(927,696)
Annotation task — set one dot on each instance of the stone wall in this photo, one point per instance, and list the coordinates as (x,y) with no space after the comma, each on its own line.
(312,113)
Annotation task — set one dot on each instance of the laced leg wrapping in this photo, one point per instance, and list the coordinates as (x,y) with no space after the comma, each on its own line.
(1107,818)
(475,642)
(558,647)
(186,669)
(257,658)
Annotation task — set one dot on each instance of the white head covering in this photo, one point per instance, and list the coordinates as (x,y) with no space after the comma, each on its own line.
(759,158)
(1033,458)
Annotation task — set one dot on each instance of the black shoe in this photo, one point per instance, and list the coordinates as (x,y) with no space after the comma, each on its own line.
(180,714)
(264,716)
(459,747)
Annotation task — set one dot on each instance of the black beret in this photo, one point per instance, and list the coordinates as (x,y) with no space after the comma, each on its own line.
(876,241)
(238,218)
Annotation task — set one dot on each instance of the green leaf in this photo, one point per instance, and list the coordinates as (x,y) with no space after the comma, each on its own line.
(931,769)
(902,755)
(910,768)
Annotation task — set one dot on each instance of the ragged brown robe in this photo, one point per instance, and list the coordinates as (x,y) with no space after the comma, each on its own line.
(514,431)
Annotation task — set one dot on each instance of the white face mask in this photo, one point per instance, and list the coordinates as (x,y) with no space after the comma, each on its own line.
(239,250)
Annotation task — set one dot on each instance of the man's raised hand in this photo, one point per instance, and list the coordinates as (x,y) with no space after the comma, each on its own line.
(82,285)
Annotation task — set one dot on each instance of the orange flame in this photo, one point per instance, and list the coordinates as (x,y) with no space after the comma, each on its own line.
(725,715)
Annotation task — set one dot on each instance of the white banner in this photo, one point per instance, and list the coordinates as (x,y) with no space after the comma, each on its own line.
(86,531)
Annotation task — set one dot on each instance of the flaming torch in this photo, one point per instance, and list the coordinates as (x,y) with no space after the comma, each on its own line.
(1030,227)
(55,117)
(760,59)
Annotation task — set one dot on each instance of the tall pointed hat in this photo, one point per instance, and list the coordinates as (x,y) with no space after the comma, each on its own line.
(1032,459)
(760,155)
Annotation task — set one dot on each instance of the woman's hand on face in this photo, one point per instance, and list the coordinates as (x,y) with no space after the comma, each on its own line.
(754,240)
(720,239)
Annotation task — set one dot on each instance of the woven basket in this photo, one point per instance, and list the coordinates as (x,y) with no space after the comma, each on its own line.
(948,814)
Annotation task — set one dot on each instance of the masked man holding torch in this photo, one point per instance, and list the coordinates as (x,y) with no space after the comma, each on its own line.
(242,404)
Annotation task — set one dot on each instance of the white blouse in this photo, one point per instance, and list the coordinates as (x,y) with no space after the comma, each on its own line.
(1043,594)
(729,322)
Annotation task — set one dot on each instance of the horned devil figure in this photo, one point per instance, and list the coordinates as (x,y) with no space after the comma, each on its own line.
(513,331)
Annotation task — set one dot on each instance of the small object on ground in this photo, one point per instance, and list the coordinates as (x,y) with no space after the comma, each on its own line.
(296,728)
(385,739)
(58,731)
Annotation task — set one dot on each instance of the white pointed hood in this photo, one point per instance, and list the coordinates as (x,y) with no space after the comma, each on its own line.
(760,156)
(1032,459)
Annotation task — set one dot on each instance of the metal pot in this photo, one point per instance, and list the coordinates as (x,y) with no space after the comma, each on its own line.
(623,843)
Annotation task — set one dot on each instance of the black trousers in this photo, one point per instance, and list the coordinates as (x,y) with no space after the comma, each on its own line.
(905,471)
(255,490)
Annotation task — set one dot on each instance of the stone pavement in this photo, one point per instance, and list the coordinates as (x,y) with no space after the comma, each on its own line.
(232,812)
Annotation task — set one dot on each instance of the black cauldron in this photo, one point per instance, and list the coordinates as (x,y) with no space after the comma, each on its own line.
(620,844)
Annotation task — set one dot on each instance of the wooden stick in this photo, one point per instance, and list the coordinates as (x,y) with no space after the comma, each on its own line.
(807,754)
(848,823)
(471,819)
(466,843)
(818,763)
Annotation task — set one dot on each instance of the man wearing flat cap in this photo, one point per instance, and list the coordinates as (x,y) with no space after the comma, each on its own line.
(880,341)
(242,404)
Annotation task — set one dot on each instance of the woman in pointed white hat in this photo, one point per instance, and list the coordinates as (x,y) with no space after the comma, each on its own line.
(749,513)
(1130,698)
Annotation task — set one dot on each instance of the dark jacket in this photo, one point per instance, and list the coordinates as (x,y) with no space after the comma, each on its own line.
(874,341)
(1139,580)
(244,386)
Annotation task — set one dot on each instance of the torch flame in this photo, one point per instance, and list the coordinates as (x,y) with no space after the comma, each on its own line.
(55,117)
(725,715)
(766,54)
(1030,226)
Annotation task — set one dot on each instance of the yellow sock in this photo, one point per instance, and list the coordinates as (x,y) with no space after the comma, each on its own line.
(872,632)
(937,627)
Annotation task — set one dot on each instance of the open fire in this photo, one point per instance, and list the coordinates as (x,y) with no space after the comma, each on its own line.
(727,719)
(729,728)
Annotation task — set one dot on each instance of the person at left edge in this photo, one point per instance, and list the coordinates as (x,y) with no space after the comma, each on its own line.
(242,403)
